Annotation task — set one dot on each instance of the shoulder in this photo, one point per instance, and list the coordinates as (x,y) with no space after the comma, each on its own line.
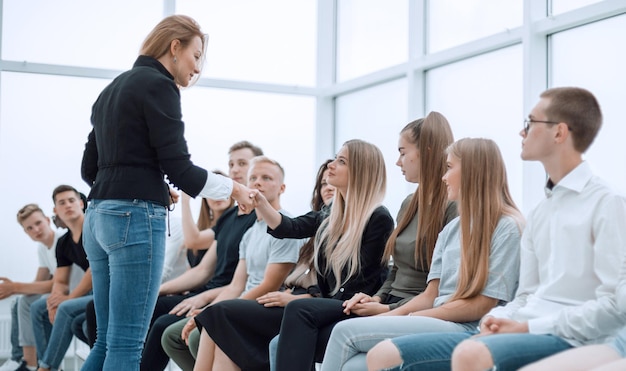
(64,240)
(452,226)
(381,214)
(147,79)
(508,224)
(601,190)
(405,203)
(229,213)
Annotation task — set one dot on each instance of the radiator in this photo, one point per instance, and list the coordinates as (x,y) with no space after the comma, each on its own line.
(5,336)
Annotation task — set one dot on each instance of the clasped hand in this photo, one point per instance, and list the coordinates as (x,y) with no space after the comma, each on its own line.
(491,325)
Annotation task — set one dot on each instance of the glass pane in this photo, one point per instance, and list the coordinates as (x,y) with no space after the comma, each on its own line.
(591,49)
(265,41)
(562,6)
(282,125)
(488,103)
(42,137)
(371,35)
(377,115)
(104,34)
(455,22)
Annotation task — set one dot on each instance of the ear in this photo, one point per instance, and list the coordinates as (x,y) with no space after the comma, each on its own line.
(174,46)
(562,133)
(282,188)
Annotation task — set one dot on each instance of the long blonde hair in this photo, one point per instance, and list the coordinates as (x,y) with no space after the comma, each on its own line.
(340,234)
(431,135)
(484,198)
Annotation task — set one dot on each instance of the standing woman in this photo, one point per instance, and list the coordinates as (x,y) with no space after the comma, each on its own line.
(137,139)
(348,249)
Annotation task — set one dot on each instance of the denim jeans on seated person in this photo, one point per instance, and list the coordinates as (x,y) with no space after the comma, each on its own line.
(125,244)
(16,349)
(61,335)
(433,351)
(42,328)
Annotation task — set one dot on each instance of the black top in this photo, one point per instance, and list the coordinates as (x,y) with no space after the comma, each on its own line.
(229,231)
(371,274)
(69,252)
(137,138)
(194,257)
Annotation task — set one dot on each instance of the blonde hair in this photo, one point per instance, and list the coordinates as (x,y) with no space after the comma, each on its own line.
(341,233)
(267,160)
(431,135)
(28,210)
(484,198)
(175,27)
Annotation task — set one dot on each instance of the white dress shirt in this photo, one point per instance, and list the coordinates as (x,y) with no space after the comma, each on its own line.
(571,253)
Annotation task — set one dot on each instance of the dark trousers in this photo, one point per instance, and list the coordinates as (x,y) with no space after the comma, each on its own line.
(305,330)
(154,357)
(90,321)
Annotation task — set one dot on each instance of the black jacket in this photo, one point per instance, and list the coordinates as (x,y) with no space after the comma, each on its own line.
(137,138)
(369,278)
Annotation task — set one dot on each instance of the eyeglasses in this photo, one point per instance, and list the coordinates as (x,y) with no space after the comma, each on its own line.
(527,123)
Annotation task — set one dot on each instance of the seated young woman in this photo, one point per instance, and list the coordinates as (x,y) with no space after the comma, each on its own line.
(349,244)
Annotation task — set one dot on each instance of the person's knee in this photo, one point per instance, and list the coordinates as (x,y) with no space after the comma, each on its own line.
(194,342)
(471,353)
(171,338)
(383,355)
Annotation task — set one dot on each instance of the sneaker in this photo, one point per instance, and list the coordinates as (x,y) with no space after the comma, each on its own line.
(23,367)
(11,365)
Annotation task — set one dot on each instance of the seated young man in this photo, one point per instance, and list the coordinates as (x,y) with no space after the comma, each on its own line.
(52,317)
(571,252)
(203,283)
(264,263)
(38,227)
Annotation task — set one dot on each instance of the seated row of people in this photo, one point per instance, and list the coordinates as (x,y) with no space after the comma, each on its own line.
(551,289)
(60,290)
(555,292)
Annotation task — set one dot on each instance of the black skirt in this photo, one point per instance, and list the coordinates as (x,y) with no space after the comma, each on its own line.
(243,330)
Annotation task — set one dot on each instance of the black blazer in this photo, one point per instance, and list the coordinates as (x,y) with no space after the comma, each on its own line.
(369,278)
(137,138)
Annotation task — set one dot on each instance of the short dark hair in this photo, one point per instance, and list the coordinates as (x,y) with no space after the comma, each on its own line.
(63,188)
(579,109)
(257,151)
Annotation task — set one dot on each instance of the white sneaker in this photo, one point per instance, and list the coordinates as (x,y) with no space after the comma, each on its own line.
(10,365)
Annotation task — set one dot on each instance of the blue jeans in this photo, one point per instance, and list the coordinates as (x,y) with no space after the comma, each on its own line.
(619,343)
(125,244)
(42,328)
(353,338)
(16,349)
(433,351)
(273,347)
(62,335)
